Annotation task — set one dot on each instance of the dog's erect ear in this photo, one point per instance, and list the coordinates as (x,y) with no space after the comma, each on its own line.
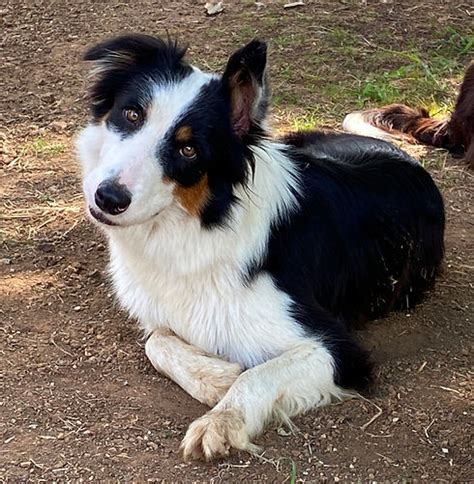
(115,58)
(244,80)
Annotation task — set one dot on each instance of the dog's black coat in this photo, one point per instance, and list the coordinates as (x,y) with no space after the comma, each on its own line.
(366,239)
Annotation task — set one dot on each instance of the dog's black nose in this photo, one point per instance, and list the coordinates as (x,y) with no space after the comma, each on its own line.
(112,198)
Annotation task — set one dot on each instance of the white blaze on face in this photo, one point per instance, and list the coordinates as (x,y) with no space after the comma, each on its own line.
(133,160)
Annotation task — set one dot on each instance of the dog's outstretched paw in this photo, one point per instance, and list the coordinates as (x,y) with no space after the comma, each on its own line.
(214,434)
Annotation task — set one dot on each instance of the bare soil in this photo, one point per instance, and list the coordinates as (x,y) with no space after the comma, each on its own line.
(78,399)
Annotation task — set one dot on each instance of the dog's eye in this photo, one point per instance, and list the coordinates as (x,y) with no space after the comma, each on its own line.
(132,115)
(188,152)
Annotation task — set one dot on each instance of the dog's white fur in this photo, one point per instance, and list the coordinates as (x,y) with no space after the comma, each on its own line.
(205,377)
(170,272)
(355,123)
(184,284)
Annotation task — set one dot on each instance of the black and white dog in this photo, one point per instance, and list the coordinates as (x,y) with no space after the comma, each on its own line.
(246,259)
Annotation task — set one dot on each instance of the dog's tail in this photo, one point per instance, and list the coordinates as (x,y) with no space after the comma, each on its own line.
(399,122)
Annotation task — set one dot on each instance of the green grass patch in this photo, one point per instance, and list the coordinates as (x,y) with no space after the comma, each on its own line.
(424,78)
(454,43)
(416,81)
(305,122)
(40,146)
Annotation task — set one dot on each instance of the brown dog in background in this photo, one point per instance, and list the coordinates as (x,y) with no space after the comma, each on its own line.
(414,125)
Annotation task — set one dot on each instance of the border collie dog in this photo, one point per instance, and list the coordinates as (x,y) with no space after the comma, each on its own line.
(247,259)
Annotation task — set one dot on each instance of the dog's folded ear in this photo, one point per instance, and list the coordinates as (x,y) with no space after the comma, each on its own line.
(133,49)
(245,81)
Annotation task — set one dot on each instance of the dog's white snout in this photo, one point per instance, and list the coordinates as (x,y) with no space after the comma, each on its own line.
(128,176)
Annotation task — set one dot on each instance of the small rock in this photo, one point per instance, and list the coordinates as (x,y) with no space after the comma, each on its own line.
(214,7)
(293,4)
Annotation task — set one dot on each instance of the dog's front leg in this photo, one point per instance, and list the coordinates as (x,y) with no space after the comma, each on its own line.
(206,378)
(292,383)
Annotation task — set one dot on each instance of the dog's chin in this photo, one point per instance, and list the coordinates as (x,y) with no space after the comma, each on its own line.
(100,219)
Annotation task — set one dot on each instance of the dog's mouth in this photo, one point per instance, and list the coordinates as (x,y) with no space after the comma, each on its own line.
(101,218)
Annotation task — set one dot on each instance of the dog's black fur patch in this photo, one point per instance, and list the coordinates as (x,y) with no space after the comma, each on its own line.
(127,64)
(367,238)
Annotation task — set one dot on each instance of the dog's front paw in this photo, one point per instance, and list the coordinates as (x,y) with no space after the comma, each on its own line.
(214,434)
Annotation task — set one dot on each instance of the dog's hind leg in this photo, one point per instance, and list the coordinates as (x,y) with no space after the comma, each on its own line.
(291,383)
(206,378)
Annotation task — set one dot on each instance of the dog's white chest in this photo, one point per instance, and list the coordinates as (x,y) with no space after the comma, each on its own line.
(212,309)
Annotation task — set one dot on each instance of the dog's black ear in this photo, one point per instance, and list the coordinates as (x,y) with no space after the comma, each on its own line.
(132,49)
(116,59)
(245,81)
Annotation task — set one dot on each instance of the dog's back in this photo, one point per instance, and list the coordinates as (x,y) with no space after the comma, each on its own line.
(369,233)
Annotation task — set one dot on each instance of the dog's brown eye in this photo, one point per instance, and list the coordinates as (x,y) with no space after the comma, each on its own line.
(188,152)
(131,115)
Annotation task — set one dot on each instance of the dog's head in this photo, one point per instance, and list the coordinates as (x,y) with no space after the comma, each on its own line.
(165,135)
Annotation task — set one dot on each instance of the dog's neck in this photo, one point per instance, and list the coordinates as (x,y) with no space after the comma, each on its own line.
(176,242)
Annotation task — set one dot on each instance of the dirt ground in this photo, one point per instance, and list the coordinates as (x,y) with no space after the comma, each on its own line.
(78,399)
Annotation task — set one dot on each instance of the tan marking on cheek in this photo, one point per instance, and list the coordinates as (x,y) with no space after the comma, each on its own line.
(193,198)
(184,134)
